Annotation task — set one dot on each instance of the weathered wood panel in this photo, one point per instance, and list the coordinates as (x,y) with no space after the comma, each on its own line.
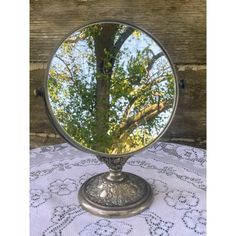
(38,140)
(189,123)
(179,26)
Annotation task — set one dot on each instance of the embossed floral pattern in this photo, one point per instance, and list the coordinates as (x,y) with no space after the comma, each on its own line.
(106,228)
(63,187)
(181,200)
(38,197)
(195,220)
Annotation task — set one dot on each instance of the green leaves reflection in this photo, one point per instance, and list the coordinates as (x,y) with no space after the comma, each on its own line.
(111,88)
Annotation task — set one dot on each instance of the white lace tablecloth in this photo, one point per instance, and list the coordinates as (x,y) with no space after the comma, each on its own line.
(175,172)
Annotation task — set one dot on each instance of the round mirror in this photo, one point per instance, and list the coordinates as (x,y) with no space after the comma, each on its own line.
(111,89)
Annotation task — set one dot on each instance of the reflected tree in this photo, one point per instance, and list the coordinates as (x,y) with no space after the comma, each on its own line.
(111,88)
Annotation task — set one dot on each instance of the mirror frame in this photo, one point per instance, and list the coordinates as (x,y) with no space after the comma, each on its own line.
(65,135)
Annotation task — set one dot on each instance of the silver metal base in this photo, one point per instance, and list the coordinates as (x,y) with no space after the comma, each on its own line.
(125,196)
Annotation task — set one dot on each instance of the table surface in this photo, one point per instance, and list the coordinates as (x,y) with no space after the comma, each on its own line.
(175,172)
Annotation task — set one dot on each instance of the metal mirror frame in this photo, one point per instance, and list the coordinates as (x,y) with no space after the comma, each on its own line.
(66,136)
(131,194)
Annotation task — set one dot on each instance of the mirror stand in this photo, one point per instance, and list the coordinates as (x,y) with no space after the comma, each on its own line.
(111,90)
(115,193)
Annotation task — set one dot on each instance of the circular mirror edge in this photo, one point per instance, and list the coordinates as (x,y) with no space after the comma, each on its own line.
(64,134)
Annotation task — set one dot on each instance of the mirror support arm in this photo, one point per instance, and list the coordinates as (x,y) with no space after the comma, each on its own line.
(115,165)
(39,92)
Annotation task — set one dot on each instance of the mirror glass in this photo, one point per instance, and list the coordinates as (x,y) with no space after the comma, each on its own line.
(111,88)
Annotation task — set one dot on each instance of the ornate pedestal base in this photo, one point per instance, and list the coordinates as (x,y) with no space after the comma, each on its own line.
(122,196)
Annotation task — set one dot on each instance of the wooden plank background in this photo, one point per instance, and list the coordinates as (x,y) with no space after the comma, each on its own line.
(179,25)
